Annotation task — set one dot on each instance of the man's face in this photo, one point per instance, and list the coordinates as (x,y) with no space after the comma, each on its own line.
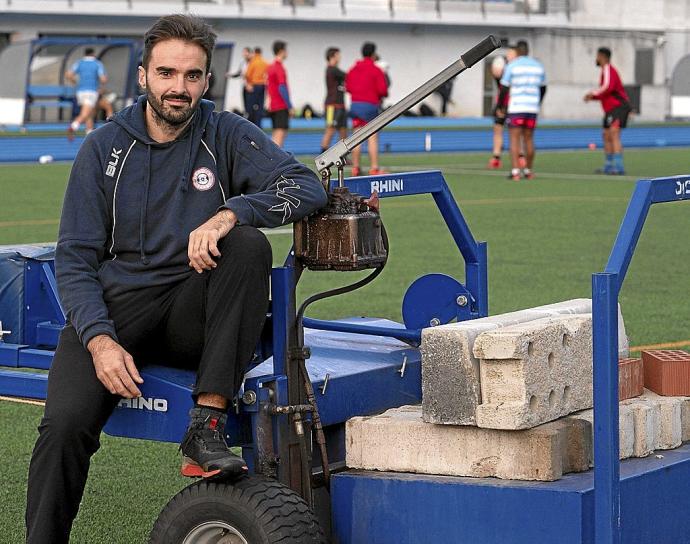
(600,60)
(247,54)
(511,54)
(175,80)
(336,57)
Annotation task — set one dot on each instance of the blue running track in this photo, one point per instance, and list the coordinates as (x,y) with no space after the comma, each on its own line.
(403,140)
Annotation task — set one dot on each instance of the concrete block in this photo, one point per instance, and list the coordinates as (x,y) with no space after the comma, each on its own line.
(626,429)
(669,419)
(684,412)
(647,417)
(684,418)
(534,372)
(450,372)
(670,427)
(399,440)
(584,306)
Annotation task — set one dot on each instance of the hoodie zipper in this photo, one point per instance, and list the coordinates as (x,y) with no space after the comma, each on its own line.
(220,185)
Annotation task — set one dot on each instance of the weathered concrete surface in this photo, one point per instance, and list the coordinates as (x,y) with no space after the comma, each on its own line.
(673,415)
(534,372)
(399,440)
(648,423)
(450,372)
(685,419)
(626,429)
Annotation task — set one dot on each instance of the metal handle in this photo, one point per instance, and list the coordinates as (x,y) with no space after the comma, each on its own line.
(479,51)
(335,156)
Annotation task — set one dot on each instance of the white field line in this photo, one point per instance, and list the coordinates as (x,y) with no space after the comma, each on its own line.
(23,401)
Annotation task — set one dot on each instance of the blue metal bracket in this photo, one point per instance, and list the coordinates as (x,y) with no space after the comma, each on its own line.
(43,316)
(606,287)
(436,299)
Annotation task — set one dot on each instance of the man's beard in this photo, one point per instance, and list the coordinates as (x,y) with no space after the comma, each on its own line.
(165,114)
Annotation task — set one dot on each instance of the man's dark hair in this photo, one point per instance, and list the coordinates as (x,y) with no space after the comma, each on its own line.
(368,49)
(89,51)
(331,52)
(604,51)
(257,50)
(180,27)
(522,48)
(278,46)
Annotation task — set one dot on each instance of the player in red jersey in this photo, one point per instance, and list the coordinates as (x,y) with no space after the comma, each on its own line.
(614,101)
(367,86)
(279,104)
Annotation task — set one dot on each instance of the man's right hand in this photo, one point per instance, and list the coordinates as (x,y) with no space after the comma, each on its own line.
(114,367)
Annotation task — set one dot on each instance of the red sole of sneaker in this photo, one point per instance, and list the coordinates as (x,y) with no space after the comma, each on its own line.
(192,470)
(195,471)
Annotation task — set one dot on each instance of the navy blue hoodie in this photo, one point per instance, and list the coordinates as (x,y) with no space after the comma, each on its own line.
(131,203)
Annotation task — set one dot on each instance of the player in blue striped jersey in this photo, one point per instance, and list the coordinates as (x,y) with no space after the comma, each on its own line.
(524,79)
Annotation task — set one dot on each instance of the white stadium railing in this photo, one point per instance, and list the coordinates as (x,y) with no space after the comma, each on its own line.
(391,7)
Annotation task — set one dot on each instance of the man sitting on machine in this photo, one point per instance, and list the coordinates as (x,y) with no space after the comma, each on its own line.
(159,259)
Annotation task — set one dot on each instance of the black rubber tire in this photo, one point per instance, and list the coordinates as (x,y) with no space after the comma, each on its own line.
(263,511)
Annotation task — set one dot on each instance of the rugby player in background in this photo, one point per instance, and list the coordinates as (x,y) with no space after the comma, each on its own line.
(525,80)
(497,66)
(614,101)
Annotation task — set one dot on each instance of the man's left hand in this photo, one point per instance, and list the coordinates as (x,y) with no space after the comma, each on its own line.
(373,201)
(203,241)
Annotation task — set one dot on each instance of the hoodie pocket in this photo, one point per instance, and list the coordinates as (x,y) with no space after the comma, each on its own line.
(252,151)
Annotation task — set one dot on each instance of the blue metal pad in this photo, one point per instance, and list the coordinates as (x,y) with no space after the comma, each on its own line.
(433,297)
(13,260)
(366,375)
(365,372)
(30,385)
(161,413)
(386,507)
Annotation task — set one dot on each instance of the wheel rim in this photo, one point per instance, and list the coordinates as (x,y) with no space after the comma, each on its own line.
(214,532)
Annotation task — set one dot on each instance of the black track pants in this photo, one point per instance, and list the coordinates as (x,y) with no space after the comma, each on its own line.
(211,322)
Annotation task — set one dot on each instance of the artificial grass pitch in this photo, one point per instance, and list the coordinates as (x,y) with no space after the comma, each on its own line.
(545,238)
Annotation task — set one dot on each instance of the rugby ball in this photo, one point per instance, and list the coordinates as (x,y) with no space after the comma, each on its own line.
(497,66)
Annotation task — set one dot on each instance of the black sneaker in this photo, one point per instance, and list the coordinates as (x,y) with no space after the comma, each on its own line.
(205,452)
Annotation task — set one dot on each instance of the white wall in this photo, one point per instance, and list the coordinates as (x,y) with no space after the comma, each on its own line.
(416,52)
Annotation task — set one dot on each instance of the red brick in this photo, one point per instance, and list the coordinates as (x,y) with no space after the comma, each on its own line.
(630,378)
(667,372)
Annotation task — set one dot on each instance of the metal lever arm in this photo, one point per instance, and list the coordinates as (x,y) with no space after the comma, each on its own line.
(335,156)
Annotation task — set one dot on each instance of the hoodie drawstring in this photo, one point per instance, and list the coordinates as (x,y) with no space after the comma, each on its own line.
(144,207)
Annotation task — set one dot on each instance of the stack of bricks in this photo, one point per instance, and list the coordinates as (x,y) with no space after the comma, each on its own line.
(492,389)
(510,396)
